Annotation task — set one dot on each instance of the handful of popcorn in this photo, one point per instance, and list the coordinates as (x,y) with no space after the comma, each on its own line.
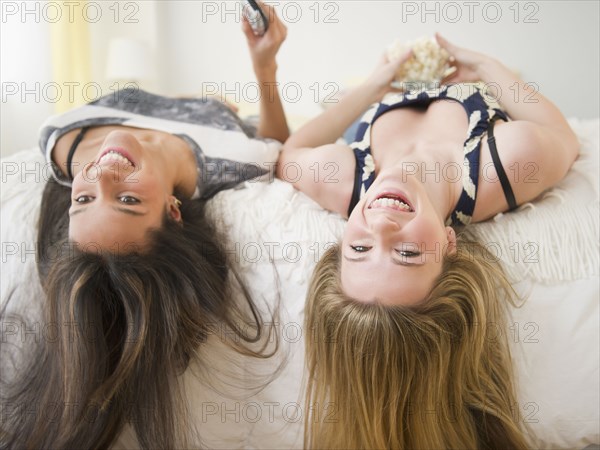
(429,62)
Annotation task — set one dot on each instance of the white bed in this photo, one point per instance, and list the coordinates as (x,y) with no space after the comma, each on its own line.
(554,335)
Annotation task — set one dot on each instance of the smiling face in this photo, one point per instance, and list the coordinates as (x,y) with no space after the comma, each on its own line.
(394,243)
(119,197)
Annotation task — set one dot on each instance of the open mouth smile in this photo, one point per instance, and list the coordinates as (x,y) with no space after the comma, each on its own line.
(116,155)
(395,202)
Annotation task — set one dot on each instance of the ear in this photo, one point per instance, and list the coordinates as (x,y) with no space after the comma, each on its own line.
(451,237)
(173,209)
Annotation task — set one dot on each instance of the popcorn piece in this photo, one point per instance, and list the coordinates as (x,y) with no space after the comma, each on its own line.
(429,62)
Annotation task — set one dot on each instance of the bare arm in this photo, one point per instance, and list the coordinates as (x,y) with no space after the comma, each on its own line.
(272,122)
(520,100)
(538,140)
(327,127)
(324,170)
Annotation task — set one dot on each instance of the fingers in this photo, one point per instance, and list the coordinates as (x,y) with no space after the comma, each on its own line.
(247,29)
(247,13)
(274,21)
(269,12)
(405,57)
(277,30)
(453,50)
(443,42)
(264,49)
(271,15)
(448,79)
(452,77)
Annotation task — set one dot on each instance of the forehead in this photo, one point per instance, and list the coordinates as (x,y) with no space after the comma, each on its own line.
(387,283)
(105,229)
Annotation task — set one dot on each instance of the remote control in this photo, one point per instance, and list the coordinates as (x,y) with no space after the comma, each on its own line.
(256,17)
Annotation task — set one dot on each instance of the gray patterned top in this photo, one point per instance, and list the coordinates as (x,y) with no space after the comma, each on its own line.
(227,150)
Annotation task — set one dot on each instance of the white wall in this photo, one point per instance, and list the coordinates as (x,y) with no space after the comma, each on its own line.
(199,45)
(24,64)
(559,52)
(26,58)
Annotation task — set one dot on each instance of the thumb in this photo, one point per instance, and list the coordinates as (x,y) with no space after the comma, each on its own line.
(445,44)
(247,29)
(396,63)
(451,77)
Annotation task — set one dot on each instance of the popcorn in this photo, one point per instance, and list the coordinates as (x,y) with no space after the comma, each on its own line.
(429,62)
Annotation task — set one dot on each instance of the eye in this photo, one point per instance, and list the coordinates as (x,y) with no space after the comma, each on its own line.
(128,200)
(82,199)
(408,253)
(360,248)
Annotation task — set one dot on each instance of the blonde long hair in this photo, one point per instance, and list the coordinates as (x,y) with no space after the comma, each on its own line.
(434,376)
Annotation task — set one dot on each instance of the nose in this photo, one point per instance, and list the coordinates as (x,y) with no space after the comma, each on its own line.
(105,173)
(384,225)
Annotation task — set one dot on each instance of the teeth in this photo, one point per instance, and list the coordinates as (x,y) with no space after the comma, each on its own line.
(114,156)
(389,203)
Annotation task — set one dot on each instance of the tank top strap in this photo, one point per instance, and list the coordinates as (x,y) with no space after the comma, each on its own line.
(479,107)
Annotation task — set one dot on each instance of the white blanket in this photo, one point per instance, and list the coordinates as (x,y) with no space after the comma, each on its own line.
(554,335)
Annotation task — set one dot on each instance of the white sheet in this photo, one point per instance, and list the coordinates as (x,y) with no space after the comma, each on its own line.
(555,339)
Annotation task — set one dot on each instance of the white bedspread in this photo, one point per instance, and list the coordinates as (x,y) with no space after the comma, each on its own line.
(554,335)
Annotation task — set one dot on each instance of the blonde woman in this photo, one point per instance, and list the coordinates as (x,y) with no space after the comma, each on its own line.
(404,313)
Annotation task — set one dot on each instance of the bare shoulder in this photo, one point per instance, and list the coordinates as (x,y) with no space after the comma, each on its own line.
(534,157)
(325,173)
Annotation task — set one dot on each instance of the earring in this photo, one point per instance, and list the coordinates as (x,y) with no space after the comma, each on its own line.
(177,202)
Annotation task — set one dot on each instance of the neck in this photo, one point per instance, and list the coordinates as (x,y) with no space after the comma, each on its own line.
(171,154)
(176,160)
(443,194)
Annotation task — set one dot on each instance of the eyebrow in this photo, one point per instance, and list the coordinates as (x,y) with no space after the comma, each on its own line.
(395,261)
(131,212)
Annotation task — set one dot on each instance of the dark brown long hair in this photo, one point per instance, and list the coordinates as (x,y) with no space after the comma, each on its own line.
(127,325)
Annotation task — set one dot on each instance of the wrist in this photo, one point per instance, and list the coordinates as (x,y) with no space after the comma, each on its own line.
(488,69)
(265,72)
(372,92)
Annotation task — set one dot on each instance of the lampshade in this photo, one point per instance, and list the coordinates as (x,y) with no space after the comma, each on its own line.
(129,60)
